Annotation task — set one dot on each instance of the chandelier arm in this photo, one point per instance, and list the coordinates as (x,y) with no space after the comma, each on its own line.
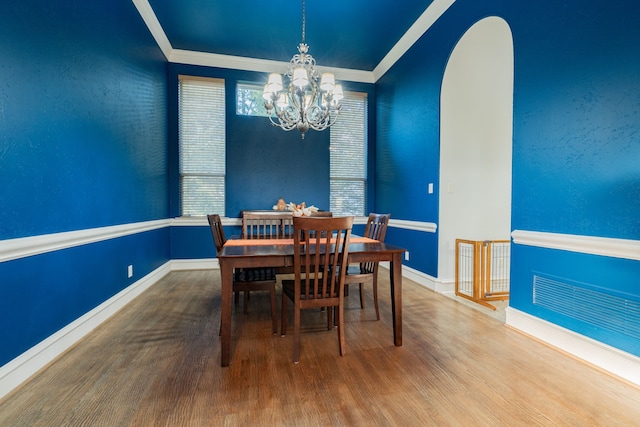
(288,116)
(324,117)
(283,125)
(321,124)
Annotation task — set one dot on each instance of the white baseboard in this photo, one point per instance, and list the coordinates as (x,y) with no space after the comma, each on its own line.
(33,360)
(194,264)
(607,358)
(424,279)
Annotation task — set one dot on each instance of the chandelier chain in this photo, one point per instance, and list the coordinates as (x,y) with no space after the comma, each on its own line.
(304,21)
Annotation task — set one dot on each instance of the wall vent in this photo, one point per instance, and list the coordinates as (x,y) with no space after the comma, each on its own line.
(614,313)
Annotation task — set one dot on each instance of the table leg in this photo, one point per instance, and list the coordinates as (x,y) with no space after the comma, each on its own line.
(226,272)
(396,297)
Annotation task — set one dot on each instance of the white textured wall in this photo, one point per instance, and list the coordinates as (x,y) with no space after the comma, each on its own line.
(476,140)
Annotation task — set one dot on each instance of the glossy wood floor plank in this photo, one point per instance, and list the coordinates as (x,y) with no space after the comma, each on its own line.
(157,363)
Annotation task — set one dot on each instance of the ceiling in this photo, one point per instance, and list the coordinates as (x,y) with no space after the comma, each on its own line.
(341,34)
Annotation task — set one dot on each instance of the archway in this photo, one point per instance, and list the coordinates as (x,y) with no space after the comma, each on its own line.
(476,128)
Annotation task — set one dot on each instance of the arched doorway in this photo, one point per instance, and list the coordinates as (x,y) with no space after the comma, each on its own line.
(476,128)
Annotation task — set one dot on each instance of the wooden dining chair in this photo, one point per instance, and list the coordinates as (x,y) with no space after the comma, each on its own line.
(266,225)
(367,272)
(247,279)
(320,245)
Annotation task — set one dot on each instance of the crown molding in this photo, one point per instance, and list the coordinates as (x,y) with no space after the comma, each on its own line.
(422,24)
(179,56)
(150,19)
(189,57)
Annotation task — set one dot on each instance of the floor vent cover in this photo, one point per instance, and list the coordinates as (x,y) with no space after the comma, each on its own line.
(610,312)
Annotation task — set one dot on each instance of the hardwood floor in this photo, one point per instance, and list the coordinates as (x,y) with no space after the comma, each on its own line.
(157,363)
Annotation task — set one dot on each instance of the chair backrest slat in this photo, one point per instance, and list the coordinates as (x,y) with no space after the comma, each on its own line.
(286,227)
(266,225)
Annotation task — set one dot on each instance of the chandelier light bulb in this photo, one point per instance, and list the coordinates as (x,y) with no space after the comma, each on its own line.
(283,102)
(325,100)
(267,94)
(338,95)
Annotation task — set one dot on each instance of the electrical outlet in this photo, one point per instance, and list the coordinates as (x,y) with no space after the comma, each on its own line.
(130,271)
(406,256)
(430,188)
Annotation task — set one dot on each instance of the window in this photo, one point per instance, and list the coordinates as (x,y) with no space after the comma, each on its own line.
(348,147)
(201,145)
(249,101)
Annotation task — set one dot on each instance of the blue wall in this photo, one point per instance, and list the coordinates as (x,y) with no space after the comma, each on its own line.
(576,151)
(263,163)
(83,144)
(577,110)
(83,129)
(576,164)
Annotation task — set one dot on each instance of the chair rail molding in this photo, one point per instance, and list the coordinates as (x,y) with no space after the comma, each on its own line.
(197,221)
(604,246)
(21,247)
(427,227)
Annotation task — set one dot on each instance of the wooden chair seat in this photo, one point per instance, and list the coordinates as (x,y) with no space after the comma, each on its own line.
(255,274)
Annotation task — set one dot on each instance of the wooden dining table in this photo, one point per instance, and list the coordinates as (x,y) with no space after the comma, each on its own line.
(251,253)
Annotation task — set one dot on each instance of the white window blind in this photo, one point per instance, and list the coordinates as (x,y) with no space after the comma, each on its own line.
(348,147)
(201,134)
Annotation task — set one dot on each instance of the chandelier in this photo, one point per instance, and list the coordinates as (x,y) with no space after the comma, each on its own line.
(309,101)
